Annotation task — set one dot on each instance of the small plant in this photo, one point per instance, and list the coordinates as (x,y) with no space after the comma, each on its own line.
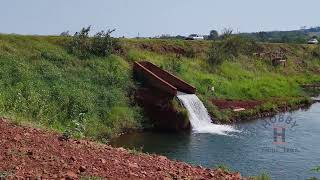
(136,151)
(317,170)
(263,176)
(4,174)
(190,53)
(91,178)
(76,128)
(224,167)
(173,65)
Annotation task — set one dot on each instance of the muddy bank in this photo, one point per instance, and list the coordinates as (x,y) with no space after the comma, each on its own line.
(253,109)
(32,153)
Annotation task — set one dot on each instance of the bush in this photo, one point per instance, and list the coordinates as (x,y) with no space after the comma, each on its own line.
(101,45)
(316,52)
(216,55)
(229,48)
(80,44)
(173,64)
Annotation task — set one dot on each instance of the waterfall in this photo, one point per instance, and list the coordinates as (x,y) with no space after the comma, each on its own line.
(199,117)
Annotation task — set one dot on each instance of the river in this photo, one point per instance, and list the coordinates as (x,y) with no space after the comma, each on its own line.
(290,155)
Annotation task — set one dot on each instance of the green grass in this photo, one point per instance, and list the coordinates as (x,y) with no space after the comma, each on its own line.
(241,78)
(41,83)
(263,176)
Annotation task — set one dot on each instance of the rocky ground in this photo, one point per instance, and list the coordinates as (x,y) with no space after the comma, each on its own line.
(26,152)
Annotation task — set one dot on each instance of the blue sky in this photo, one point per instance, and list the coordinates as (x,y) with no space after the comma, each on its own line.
(156,17)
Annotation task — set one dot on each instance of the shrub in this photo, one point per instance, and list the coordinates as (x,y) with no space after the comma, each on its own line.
(316,52)
(173,65)
(101,45)
(229,48)
(216,55)
(190,53)
(80,44)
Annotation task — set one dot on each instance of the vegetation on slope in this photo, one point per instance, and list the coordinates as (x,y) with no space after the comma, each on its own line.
(238,73)
(43,82)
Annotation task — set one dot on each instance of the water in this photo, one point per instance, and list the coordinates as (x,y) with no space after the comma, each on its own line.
(250,151)
(199,117)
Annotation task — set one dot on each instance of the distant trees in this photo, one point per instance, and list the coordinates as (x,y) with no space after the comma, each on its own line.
(262,36)
(65,33)
(213,35)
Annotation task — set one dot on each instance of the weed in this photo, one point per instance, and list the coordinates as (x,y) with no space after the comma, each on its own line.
(136,151)
(224,167)
(263,176)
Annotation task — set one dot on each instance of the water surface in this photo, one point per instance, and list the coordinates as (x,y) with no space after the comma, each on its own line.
(251,151)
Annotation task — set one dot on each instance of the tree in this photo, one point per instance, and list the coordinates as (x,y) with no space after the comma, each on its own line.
(263,36)
(213,35)
(65,33)
(226,33)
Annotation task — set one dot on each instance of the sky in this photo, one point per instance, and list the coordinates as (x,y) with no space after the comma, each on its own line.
(146,18)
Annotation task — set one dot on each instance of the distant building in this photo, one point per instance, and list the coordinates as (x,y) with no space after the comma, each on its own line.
(313,41)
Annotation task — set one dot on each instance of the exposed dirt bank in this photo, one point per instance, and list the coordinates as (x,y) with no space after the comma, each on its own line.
(244,110)
(232,104)
(32,153)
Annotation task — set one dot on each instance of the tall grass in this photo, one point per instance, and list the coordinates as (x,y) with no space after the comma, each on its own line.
(41,82)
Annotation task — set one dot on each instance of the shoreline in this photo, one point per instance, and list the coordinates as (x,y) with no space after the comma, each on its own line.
(38,153)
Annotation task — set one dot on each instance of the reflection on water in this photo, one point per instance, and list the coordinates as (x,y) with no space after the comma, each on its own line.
(251,151)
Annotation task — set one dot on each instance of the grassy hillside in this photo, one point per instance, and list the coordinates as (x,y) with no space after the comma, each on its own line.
(41,82)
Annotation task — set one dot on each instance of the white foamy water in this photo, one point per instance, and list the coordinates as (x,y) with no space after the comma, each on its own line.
(199,117)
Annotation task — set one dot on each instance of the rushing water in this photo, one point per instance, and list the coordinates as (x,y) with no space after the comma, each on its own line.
(250,151)
(199,117)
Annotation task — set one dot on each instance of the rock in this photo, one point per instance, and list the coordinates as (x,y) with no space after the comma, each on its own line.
(121,149)
(133,165)
(103,161)
(162,158)
(73,158)
(29,153)
(237,175)
(211,174)
(17,138)
(71,175)
(64,137)
(82,168)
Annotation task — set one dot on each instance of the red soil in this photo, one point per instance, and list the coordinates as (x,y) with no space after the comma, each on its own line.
(232,104)
(27,152)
